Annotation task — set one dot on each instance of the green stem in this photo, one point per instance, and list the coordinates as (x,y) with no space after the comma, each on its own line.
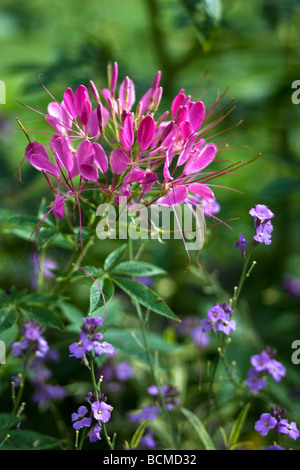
(243,276)
(150,360)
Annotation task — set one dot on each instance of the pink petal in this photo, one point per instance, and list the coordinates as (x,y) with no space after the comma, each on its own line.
(177,102)
(146,132)
(62,153)
(126,132)
(59,207)
(204,158)
(186,150)
(175,196)
(100,157)
(148,181)
(186,129)
(134,175)
(202,190)
(114,77)
(93,125)
(69,102)
(40,163)
(196,114)
(119,161)
(127,94)
(85,159)
(80,96)
(39,159)
(85,112)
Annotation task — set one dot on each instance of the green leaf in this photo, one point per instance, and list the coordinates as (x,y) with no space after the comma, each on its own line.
(114,257)
(22,439)
(137,268)
(136,438)
(238,425)
(46,235)
(102,288)
(145,296)
(199,428)
(40,298)
(8,317)
(44,316)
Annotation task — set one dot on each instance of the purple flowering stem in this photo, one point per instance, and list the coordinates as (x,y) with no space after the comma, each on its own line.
(244,275)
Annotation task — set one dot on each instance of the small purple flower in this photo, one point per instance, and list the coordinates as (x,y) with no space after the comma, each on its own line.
(276,369)
(94,435)
(124,371)
(147,440)
(103,348)
(19,346)
(263,233)
(31,330)
(199,337)
(148,412)
(261,213)
(284,427)
(254,381)
(79,418)
(101,411)
(261,361)
(274,447)
(42,347)
(265,423)
(80,348)
(241,243)
(215,313)
(91,324)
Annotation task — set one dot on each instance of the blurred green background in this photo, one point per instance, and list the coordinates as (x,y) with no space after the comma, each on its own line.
(251,47)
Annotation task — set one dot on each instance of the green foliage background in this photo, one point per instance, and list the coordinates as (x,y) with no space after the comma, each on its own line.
(251,47)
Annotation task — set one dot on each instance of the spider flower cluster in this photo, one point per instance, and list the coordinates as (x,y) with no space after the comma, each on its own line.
(105,141)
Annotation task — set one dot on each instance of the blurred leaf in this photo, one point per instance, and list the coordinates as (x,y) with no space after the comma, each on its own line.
(136,438)
(130,342)
(100,293)
(23,439)
(205,15)
(238,425)
(8,317)
(137,268)
(199,428)
(144,296)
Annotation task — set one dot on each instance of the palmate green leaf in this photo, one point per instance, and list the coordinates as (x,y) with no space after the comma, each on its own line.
(145,296)
(199,428)
(100,291)
(238,425)
(44,316)
(114,257)
(137,268)
(22,439)
(8,317)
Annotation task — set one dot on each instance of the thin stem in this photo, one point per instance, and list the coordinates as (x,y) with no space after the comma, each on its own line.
(150,360)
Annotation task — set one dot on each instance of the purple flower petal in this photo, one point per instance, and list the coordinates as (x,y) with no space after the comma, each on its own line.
(175,196)
(119,161)
(146,132)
